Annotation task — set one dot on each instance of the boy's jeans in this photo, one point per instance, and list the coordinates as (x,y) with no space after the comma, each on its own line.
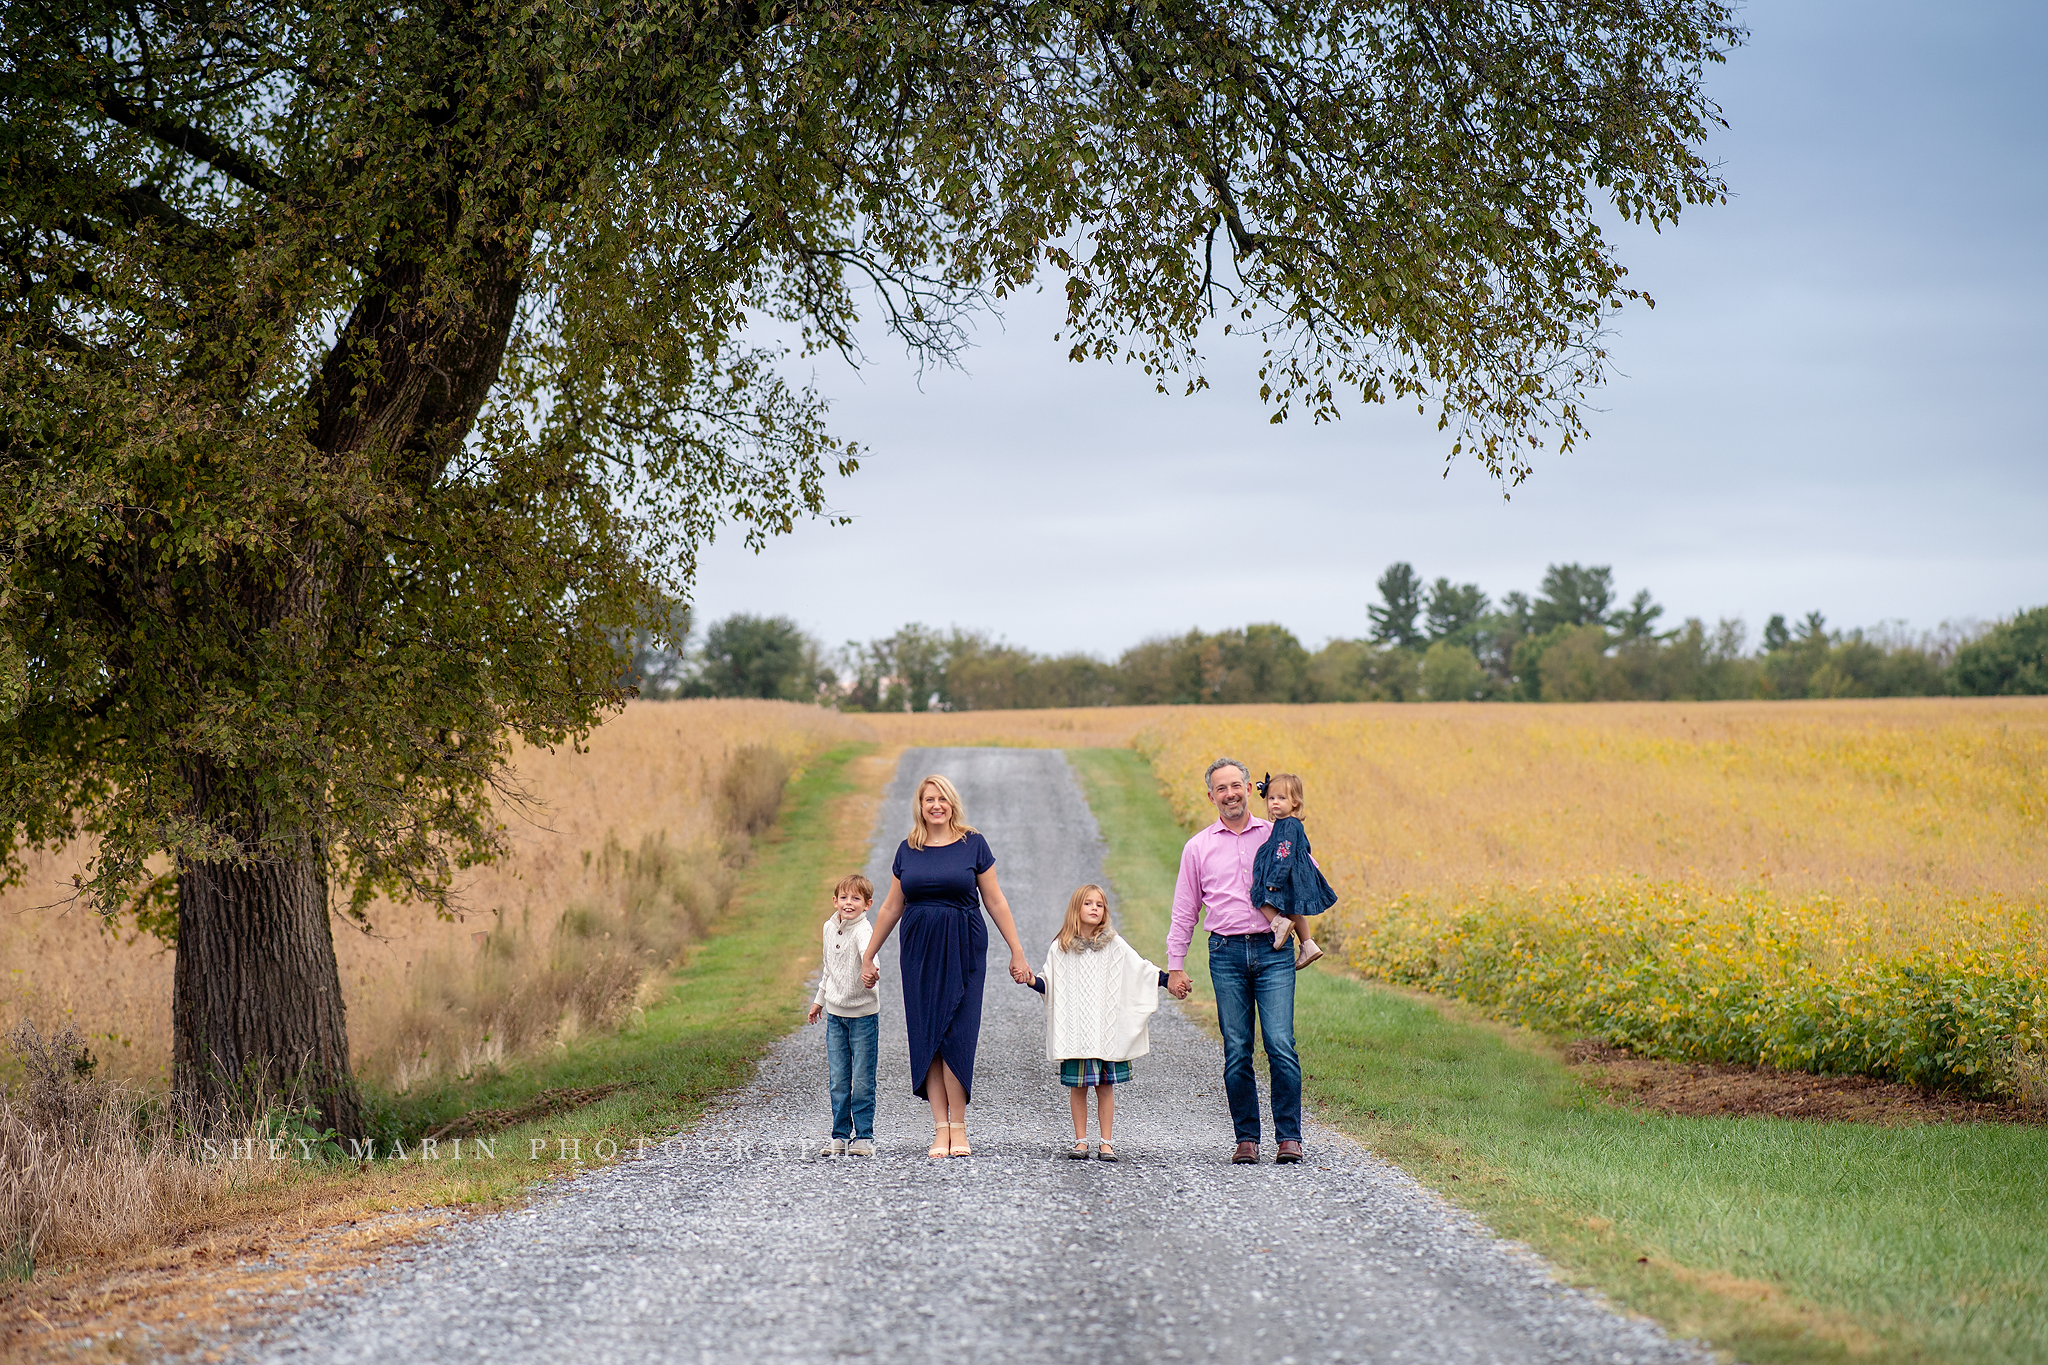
(850,1052)
(1247,972)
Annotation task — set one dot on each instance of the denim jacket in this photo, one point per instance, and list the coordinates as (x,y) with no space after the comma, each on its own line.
(1285,877)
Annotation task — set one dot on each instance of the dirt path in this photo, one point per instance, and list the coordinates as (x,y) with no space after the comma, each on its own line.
(736,1242)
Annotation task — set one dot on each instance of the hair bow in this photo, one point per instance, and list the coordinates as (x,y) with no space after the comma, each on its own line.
(1263,783)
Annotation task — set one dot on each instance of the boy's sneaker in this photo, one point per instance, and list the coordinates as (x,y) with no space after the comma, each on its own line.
(836,1147)
(860,1147)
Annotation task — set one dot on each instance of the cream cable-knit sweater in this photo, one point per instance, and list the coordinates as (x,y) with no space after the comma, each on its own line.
(1099,1004)
(839,988)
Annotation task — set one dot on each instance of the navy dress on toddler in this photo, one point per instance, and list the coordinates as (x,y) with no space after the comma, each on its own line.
(944,954)
(1285,877)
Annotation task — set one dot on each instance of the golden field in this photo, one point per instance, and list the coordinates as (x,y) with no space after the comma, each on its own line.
(1837,886)
(623,849)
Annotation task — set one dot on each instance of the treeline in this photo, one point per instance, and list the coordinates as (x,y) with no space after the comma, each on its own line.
(1439,641)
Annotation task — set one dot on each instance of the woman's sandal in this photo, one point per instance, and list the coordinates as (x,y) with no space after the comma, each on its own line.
(1078,1152)
(1105,1152)
(941,1142)
(960,1147)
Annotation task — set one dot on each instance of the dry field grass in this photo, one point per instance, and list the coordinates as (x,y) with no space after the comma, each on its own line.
(1833,886)
(1085,727)
(639,826)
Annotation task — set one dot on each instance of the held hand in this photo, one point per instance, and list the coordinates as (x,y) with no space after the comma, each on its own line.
(1020,972)
(1178,985)
(816,1010)
(869,974)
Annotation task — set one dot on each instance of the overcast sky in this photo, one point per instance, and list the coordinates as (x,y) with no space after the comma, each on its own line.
(1837,405)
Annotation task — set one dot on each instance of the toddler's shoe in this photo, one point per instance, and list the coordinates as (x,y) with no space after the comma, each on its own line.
(1281,929)
(1309,953)
(836,1147)
(860,1147)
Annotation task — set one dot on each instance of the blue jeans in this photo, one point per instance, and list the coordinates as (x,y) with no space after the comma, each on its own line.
(850,1053)
(1248,974)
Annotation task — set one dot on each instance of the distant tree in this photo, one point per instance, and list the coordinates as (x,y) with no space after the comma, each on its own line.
(1496,637)
(1574,666)
(1573,595)
(2008,660)
(1393,620)
(1261,663)
(756,656)
(1258,663)
(1450,672)
(1638,620)
(1455,611)
(984,674)
(1161,670)
(1074,680)
(902,672)
(1776,636)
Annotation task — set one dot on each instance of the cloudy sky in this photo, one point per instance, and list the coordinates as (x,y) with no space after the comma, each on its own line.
(1837,405)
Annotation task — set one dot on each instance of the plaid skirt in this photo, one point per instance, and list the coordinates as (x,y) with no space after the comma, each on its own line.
(1091,1071)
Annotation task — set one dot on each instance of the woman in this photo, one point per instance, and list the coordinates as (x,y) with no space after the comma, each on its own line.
(933,888)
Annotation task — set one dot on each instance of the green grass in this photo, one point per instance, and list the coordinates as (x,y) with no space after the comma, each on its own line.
(1775,1240)
(739,991)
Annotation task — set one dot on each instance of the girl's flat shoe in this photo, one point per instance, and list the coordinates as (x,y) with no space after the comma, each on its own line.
(1309,953)
(960,1147)
(1078,1152)
(1105,1153)
(1280,933)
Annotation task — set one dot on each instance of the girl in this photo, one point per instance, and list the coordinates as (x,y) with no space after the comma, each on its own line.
(1287,885)
(1099,997)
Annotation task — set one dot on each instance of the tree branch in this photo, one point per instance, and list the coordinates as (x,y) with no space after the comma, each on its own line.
(194,142)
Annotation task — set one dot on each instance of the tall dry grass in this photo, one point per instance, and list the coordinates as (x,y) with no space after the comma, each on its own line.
(92,1165)
(1837,886)
(1080,727)
(637,838)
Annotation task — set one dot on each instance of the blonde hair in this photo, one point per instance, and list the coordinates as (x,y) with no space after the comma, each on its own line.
(1288,785)
(858,885)
(956,819)
(1073,928)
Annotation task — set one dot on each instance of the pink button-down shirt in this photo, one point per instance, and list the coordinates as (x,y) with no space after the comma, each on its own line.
(1216,874)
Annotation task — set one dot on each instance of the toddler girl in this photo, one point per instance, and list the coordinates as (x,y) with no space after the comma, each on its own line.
(1099,997)
(1287,886)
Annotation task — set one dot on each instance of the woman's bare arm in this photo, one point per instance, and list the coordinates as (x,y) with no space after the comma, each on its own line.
(1006,925)
(885,924)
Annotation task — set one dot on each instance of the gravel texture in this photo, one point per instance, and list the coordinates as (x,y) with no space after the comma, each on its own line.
(736,1242)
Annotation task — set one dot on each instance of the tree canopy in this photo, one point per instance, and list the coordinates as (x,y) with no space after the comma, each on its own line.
(367,370)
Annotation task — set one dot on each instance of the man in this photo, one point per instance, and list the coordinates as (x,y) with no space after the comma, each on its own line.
(1247,973)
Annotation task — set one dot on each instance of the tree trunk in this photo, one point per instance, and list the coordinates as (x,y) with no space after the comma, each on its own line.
(256,1008)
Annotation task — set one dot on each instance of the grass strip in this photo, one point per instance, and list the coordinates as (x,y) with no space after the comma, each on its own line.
(1775,1240)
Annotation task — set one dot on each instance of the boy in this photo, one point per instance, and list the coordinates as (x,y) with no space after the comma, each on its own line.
(850,1010)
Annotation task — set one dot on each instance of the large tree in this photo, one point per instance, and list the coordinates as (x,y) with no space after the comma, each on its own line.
(368,369)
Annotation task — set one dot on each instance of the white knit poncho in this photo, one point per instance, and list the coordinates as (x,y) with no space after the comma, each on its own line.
(1099,1003)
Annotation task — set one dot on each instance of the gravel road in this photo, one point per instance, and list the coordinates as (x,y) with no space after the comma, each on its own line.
(735,1242)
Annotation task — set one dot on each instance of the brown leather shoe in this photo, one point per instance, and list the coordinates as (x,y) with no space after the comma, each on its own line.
(1247,1154)
(1289,1153)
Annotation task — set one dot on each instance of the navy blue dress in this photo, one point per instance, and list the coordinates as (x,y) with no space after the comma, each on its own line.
(1285,877)
(944,954)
